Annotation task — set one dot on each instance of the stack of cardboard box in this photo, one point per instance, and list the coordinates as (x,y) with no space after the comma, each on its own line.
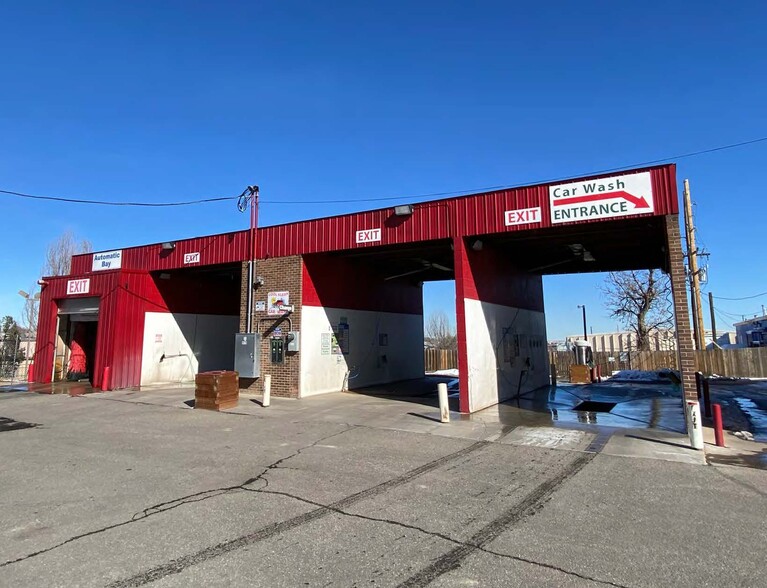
(216,390)
(580,374)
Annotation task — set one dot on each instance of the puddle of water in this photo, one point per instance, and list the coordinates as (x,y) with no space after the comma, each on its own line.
(7,424)
(757,461)
(632,406)
(14,388)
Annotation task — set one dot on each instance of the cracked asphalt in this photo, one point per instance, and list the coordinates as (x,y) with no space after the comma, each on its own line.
(122,494)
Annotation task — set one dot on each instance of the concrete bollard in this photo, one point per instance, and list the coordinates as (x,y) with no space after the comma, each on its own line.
(444,407)
(267,390)
(694,425)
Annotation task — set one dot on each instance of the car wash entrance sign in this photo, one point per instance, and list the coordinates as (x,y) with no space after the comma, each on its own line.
(601,199)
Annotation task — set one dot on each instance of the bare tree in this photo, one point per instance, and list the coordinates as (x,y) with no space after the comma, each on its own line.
(439,332)
(641,300)
(58,256)
(30,310)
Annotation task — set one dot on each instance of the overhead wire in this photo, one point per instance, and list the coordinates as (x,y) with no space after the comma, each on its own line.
(727,322)
(110,203)
(743,298)
(382,199)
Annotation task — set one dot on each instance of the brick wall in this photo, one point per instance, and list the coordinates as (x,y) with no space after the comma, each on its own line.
(279,273)
(684,342)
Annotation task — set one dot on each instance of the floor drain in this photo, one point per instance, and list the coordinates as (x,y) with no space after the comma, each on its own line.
(593,406)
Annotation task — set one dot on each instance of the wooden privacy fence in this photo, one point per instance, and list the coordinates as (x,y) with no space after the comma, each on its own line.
(440,359)
(738,363)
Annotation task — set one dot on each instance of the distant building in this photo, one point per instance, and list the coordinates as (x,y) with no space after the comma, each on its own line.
(725,340)
(752,332)
(623,341)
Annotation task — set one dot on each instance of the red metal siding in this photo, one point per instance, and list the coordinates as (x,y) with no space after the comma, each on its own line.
(124,299)
(489,276)
(453,217)
(213,250)
(105,286)
(336,282)
(461,279)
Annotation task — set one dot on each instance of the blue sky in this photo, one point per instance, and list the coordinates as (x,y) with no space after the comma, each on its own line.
(322,100)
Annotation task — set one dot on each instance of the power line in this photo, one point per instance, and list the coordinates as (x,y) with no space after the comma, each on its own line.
(108,203)
(723,318)
(744,298)
(534,183)
(384,199)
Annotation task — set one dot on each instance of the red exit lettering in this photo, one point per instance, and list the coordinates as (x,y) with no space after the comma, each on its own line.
(78,286)
(523,216)
(368,236)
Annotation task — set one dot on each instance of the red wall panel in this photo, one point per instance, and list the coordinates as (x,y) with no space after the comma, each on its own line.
(105,286)
(337,282)
(490,276)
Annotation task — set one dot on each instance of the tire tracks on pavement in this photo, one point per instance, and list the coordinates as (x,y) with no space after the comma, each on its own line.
(529,505)
(178,565)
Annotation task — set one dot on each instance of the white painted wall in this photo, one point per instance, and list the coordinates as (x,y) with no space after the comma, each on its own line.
(368,362)
(191,343)
(499,339)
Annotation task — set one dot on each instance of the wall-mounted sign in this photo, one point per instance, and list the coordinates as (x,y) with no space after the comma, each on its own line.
(191,258)
(325,343)
(368,236)
(78,286)
(107,260)
(158,338)
(341,338)
(275,300)
(260,305)
(597,199)
(523,216)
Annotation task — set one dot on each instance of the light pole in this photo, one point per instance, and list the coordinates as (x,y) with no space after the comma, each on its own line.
(585,334)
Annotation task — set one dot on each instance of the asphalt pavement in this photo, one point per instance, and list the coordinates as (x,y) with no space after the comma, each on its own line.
(103,490)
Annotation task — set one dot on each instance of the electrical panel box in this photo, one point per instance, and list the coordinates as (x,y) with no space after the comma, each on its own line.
(277,350)
(293,342)
(247,355)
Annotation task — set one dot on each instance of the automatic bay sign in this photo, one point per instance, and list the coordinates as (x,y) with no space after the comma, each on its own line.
(605,198)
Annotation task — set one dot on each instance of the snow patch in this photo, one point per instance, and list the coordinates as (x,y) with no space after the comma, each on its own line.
(664,375)
(453,373)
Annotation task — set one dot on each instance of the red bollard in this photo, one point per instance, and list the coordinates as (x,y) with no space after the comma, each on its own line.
(105,379)
(718,431)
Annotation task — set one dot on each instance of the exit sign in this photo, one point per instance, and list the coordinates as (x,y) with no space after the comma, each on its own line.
(368,236)
(523,216)
(78,286)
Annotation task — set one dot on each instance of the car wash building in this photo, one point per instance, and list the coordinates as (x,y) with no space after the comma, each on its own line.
(336,303)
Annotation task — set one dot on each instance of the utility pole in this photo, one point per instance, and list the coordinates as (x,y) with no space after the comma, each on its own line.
(585,334)
(713,320)
(694,276)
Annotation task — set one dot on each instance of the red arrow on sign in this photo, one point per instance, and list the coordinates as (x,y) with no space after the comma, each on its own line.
(637,201)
